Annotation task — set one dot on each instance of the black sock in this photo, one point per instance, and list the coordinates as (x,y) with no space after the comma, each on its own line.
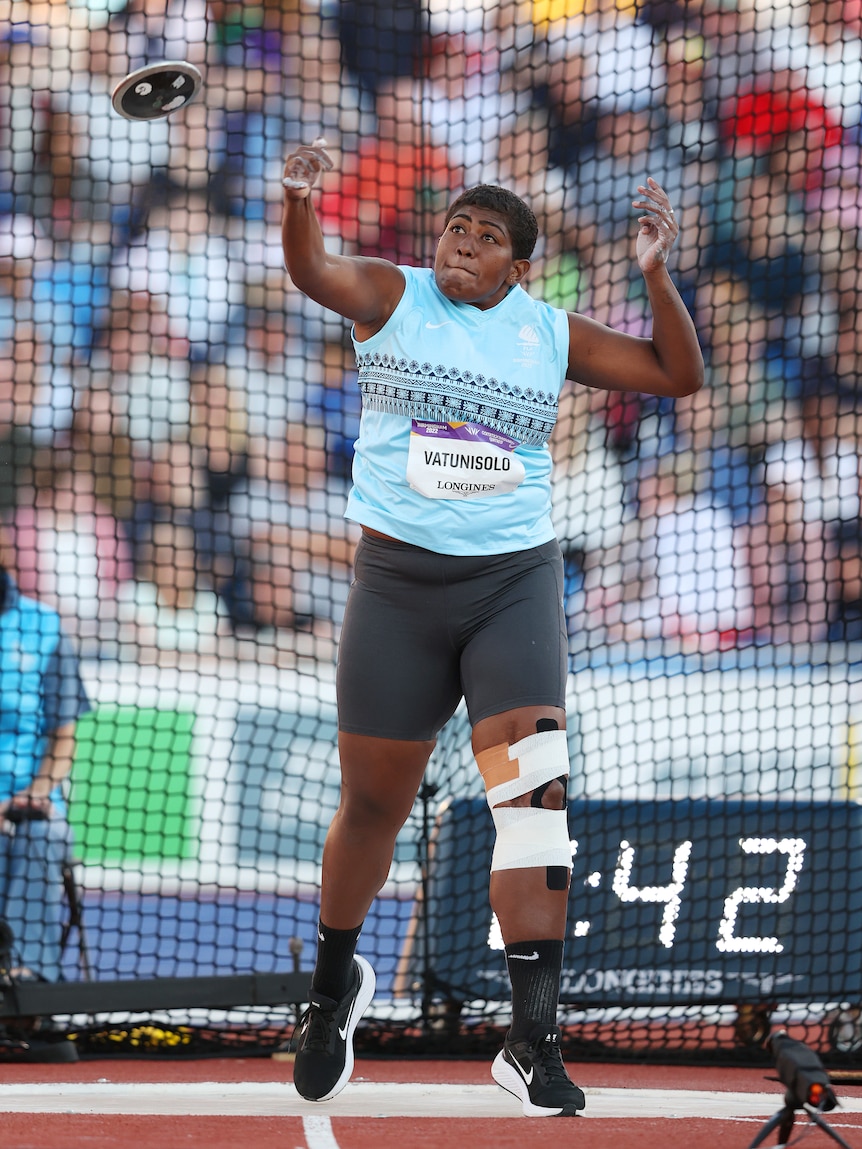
(333,971)
(534,970)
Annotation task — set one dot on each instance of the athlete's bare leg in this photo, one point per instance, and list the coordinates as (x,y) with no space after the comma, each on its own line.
(380,778)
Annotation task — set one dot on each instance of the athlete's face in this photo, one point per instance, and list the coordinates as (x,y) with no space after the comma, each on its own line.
(474,261)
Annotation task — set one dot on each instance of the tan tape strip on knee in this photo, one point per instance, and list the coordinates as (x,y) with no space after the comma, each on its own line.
(527,837)
(510,771)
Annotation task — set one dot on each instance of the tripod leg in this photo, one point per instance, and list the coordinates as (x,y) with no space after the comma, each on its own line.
(821,1121)
(780,1118)
(784,1129)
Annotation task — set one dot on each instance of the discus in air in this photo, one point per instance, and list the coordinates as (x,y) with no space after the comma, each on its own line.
(156,90)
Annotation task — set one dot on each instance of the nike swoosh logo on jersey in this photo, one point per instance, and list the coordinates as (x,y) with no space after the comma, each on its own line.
(534,956)
(434,326)
(528,1077)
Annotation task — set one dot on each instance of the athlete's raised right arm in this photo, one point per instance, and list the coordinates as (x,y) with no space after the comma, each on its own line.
(361,289)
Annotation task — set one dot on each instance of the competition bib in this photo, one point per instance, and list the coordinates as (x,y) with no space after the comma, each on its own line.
(461,461)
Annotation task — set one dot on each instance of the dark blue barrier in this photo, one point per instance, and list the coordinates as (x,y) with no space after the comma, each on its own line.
(672,902)
(138,936)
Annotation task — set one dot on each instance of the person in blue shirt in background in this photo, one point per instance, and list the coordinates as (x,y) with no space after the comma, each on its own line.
(41,698)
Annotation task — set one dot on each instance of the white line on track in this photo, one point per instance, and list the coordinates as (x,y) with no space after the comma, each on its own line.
(318,1133)
(371,1099)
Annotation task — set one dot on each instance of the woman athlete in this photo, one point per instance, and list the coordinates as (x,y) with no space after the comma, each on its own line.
(458,587)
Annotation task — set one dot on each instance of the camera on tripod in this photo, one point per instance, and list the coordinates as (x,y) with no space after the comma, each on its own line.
(807,1087)
(801,1070)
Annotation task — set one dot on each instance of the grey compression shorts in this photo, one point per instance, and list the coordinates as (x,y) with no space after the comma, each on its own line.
(423,629)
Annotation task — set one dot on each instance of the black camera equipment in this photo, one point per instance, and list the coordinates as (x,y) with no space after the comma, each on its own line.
(7,941)
(18,814)
(807,1088)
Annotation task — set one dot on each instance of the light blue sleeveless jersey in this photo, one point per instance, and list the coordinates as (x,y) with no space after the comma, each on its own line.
(435,362)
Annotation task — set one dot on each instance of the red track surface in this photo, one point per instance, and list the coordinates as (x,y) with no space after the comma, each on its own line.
(321,1127)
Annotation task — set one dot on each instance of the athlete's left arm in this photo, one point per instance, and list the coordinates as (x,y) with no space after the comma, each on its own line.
(670,363)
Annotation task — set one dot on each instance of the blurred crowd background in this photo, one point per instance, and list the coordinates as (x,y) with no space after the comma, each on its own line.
(177,422)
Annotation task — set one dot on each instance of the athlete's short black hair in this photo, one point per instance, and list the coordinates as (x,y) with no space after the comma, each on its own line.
(523,227)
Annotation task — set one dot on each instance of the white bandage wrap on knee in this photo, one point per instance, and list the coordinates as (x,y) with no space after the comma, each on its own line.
(526,835)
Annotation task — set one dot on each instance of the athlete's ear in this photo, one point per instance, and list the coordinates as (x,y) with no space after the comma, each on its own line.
(519,271)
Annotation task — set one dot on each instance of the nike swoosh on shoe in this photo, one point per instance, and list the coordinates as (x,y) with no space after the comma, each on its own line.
(528,1077)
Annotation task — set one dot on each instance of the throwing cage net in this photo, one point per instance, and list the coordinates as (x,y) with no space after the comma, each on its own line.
(176,436)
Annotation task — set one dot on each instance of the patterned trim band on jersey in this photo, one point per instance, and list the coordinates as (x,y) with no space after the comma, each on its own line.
(445,394)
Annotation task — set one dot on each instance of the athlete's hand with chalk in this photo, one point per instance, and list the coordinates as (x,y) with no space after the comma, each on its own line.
(303,166)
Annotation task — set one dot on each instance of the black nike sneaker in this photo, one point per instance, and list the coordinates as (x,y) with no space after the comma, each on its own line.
(324,1037)
(533,1070)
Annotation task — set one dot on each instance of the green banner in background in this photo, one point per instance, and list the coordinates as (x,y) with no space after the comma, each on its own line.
(131,785)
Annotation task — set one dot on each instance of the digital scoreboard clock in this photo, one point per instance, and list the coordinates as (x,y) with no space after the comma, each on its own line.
(671,902)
